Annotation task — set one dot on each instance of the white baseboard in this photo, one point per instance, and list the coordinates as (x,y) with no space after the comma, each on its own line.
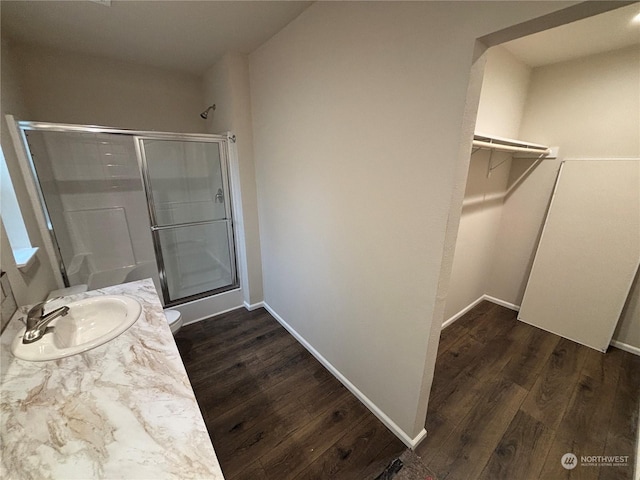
(253,306)
(621,345)
(391,425)
(615,343)
(208,312)
(211,306)
(486,297)
(502,303)
(462,312)
(626,347)
(206,317)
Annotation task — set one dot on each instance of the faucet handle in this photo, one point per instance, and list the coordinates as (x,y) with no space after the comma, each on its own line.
(38,308)
(35,313)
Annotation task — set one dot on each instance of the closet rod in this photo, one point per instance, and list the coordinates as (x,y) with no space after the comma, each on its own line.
(511,148)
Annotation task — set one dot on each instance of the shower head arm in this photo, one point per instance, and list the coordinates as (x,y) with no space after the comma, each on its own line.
(205,114)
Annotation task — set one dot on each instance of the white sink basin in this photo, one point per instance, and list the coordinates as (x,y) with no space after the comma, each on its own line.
(88,324)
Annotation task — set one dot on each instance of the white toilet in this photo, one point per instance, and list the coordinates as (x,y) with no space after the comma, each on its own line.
(174,318)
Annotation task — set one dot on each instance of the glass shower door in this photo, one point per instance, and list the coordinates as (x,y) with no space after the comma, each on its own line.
(189,204)
(94,203)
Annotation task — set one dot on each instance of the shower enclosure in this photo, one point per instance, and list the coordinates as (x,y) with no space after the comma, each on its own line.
(122,205)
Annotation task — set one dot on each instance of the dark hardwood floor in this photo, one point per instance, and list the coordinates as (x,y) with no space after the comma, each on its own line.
(272,410)
(507,401)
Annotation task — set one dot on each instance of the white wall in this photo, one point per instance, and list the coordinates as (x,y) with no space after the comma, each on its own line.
(504,93)
(502,99)
(227,85)
(588,107)
(357,117)
(34,284)
(66,87)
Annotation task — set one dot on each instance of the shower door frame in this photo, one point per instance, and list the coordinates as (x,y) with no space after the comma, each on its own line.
(222,141)
(23,126)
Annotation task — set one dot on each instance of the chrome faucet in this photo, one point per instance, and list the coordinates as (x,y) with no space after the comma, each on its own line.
(37,321)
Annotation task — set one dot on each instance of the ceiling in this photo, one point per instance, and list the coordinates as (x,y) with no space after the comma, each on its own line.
(192,35)
(602,33)
(183,35)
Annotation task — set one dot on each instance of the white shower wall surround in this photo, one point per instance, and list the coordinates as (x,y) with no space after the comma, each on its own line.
(103,230)
(97,195)
(93,189)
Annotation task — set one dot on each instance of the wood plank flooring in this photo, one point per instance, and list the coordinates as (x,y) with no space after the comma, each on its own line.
(507,401)
(272,410)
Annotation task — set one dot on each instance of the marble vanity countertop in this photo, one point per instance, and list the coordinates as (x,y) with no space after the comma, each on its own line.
(125,409)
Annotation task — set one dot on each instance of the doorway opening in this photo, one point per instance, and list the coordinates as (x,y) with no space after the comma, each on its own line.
(496,377)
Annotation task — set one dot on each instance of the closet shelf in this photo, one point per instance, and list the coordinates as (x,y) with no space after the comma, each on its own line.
(519,147)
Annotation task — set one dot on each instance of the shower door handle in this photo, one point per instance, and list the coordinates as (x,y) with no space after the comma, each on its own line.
(156,228)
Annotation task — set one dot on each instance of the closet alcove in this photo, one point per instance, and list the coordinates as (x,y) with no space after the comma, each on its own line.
(531,119)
